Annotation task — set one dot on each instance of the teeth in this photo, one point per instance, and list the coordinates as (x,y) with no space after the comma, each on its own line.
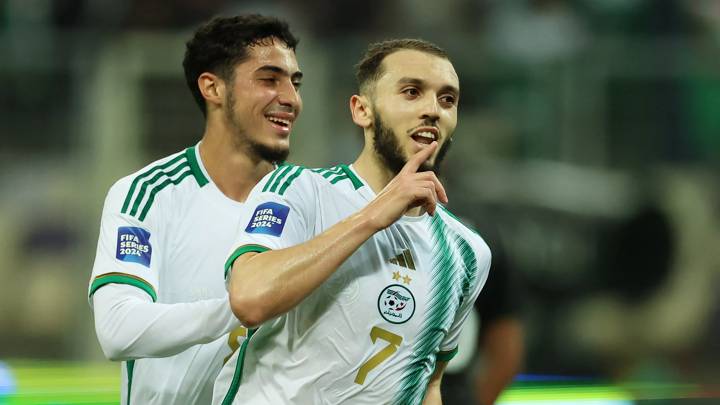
(279,120)
(425,134)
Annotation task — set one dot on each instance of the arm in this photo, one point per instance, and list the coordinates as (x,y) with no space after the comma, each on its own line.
(502,353)
(265,285)
(130,326)
(432,395)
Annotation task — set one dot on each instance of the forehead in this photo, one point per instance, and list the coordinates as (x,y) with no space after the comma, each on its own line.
(432,69)
(273,53)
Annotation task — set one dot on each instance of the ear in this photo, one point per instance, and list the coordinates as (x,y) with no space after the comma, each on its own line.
(361,111)
(212,89)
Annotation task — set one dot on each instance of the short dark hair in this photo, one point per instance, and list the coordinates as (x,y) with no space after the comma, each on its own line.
(223,42)
(369,69)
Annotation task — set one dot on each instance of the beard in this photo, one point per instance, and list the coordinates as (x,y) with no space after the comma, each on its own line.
(387,147)
(254,148)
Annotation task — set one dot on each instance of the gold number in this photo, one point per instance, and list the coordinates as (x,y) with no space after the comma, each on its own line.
(233,342)
(382,355)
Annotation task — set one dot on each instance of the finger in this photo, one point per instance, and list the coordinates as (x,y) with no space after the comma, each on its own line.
(426,198)
(419,158)
(439,188)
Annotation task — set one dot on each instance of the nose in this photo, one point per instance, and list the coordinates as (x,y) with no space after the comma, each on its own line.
(431,109)
(289,96)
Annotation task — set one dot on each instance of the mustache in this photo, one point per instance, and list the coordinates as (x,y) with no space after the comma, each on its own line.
(427,123)
(281,109)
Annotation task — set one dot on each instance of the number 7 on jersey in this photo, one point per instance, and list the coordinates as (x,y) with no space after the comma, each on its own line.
(374,361)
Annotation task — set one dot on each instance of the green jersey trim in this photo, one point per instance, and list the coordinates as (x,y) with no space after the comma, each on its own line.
(290,179)
(122,278)
(148,172)
(130,368)
(356,182)
(447,356)
(159,188)
(191,155)
(281,176)
(272,177)
(241,251)
(237,376)
(152,181)
(414,379)
(470,263)
(155,174)
(338,173)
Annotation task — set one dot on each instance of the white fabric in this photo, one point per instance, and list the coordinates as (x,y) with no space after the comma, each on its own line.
(130,326)
(181,339)
(315,353)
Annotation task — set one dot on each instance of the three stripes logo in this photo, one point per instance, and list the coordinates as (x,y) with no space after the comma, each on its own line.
(339,173)
(148,184)
(282,178)
(404,259)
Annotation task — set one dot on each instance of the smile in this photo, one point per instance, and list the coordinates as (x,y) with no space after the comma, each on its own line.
(285,123)
(425,135)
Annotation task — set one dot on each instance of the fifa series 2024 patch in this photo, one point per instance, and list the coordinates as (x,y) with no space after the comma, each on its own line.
(133,245)
(269,218)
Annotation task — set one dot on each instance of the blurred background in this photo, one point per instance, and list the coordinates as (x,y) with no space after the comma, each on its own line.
(588,148)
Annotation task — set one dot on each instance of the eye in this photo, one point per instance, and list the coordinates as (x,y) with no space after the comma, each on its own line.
(297,85)
(448,100)
(268,80)
(411,92)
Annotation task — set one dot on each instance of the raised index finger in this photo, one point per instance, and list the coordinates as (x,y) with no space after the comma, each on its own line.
(413,164)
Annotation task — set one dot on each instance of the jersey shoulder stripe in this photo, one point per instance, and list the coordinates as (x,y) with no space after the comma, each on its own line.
(336,174)
(277,177)
(282,178)
(157,176)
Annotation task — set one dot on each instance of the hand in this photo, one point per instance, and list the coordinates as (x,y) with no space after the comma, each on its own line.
(409,189)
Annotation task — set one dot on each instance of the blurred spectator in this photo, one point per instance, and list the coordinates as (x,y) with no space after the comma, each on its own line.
(500,350)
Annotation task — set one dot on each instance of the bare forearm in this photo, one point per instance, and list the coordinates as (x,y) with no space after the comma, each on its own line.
(432,396)
(265,285)
(503,352)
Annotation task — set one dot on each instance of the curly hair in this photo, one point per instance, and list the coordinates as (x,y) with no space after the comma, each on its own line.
(223,42)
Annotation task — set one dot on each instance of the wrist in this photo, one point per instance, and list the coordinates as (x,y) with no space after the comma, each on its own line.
(366,222)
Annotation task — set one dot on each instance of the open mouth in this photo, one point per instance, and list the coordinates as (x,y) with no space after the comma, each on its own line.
(425,136)
(281,122)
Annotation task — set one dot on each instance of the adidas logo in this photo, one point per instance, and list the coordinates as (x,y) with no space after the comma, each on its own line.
(404,259)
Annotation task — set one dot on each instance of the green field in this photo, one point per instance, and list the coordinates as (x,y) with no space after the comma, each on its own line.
(61,383)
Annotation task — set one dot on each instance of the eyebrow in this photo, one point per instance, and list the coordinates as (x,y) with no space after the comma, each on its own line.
(422,83)
(278,70)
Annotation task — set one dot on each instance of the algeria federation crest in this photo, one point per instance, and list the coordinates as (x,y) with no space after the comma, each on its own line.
(396,304)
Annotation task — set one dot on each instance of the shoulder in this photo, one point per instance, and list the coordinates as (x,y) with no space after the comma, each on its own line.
(290,179)
(139,193)
(467,233)
(287,178)
(339,178)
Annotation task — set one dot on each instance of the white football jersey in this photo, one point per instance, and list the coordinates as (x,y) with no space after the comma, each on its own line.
(166,229)
(372,333)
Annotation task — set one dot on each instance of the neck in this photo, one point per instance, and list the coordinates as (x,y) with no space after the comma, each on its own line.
(376,174)
(231,167)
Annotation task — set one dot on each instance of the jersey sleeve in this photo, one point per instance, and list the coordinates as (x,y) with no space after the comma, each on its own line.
(129,250)
(476,273)
(279,213)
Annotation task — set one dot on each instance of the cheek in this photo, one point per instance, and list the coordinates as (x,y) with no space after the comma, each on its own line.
(451,120)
